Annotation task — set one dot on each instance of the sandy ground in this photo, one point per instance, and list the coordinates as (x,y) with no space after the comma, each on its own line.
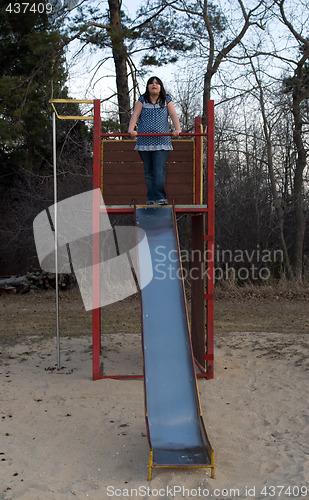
(64,436)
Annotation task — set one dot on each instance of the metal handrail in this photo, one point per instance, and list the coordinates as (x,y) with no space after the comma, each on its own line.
(69,101)
(182,134)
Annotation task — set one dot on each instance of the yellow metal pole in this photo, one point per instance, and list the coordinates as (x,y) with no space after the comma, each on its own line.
(150,465)
(212,458)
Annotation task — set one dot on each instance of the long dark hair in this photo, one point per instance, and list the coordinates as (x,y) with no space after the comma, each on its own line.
(162,96)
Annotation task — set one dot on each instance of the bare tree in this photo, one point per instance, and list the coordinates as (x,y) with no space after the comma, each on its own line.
(270,63)
(216,34)
(188,100)
(300,94)
(120,57)
(113,30)
(267,129)
(251,17)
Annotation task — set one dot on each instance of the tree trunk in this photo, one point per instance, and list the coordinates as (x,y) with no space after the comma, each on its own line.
(298,197)
(206,95)
(300,93)
(210,64)
(276,200)
(120,56)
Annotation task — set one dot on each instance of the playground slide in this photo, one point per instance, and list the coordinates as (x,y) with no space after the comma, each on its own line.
(176,432)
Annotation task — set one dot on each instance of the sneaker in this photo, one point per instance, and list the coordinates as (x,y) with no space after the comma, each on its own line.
(163,201)
(150,202)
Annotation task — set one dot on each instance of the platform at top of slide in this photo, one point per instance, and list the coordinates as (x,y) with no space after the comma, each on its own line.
(176,432)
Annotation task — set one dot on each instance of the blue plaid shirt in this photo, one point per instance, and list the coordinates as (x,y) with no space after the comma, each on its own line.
(153,119)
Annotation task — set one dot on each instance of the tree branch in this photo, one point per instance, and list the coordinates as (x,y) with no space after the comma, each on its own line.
(149,19)
(297,35)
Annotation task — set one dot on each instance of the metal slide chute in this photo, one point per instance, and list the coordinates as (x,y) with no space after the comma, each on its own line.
(176,432)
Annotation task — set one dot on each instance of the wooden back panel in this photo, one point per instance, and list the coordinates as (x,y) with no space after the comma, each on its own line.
(122,173)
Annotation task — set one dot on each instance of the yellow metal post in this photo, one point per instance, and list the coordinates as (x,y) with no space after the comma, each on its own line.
(212,458)
(150,465)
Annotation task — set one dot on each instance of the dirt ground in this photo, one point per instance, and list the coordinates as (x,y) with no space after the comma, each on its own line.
(33,314)
(65,436)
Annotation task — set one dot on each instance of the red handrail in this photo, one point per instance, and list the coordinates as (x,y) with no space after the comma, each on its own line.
(182,134)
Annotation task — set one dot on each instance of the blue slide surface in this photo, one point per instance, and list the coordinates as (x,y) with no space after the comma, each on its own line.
(176,431)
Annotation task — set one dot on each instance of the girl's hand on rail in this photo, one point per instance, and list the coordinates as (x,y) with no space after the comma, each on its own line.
(176,132)
(132,133)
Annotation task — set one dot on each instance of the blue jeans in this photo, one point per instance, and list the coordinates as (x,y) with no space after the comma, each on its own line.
(155,171)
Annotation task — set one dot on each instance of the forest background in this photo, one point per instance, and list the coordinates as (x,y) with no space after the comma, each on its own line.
(251,57)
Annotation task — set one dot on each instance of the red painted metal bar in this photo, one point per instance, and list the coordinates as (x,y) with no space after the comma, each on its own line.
(210,238)
(121,377)
(96,144)
(180,210)
(96,312)
(182,134)
(198,160)
(203,373)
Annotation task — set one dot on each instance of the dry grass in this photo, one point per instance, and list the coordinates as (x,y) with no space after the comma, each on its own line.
(282,308)
(269,290)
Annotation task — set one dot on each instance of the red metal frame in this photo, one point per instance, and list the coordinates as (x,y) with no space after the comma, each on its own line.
(96,311)
(209,238)
(198,160)
(201,209)
(169,134)
(126,209)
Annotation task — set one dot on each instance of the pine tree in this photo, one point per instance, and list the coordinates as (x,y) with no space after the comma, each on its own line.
(31,72)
